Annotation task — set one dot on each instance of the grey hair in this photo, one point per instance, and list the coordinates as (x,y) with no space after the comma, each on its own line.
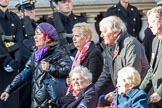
(113,24)
(83,71)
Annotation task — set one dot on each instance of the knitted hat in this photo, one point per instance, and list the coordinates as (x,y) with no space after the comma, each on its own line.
(49,29)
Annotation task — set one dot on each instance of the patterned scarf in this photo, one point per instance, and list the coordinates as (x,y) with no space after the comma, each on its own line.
(80,56)
(40,52)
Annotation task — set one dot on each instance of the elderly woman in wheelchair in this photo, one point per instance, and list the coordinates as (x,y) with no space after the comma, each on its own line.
(127,93)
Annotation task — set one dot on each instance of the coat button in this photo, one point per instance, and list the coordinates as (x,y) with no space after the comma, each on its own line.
(132,9)
(12,25)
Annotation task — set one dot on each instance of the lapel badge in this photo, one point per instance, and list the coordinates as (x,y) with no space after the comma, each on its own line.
(116,52)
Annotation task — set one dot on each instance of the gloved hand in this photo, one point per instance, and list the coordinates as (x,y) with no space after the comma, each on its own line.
(8,68)
(66,99)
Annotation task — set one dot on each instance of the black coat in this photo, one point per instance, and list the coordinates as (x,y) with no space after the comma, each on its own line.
(27,49)
(28,38)
(68,22)
(130,16)
(93,61)
(59,68)
(147,43)
(12,27)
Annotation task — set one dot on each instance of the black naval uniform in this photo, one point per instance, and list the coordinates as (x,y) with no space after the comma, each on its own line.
(28,40)
(130,16)
(29,26)
(68,23)
(10,54)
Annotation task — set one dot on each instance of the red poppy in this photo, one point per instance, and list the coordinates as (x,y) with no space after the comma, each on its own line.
(116,52)
(45,36)
(112,103)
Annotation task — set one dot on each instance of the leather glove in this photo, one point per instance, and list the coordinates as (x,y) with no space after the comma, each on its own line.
(66,99)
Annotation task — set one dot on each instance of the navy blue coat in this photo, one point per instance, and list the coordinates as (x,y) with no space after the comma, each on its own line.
(11,56)
(87,98)
(134,98)
(130,16)
(68,22)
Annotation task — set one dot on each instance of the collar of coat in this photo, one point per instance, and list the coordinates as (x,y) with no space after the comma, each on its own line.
(67,18)
(120,40)
(5,14)
(131,93)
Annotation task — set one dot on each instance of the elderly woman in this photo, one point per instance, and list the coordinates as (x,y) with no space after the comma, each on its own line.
(85,94)
(88,55)
(46,62)
(128,95)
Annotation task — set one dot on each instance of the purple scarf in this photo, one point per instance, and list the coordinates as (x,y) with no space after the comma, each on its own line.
(40,52)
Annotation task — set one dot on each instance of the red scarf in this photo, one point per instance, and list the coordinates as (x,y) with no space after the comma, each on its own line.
(80,56)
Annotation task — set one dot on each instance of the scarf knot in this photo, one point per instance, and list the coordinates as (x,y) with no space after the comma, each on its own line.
(40,52)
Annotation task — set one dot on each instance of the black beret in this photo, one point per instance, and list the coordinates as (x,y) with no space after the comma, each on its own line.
(27,6)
